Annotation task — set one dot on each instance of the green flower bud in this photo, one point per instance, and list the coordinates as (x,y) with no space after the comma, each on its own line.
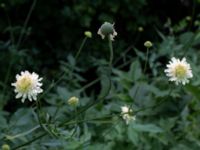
(3,5)
(188,18)
(107,29)
(5,147)
(148,44)
(196,23)
(73,101)
(88,34)
(140,29)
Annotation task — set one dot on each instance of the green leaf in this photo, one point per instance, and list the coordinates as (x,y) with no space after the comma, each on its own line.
(135,71)
(133,135)
(105,86)
(152,128)
(186,37)
(194,90)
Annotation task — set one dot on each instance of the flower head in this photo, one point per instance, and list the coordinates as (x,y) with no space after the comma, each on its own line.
(107,30)
(88,34)
(27,85)
(188,18)
(73,101)
(178,71)
(5,147)
(127,114)
(140,29)
(148,44)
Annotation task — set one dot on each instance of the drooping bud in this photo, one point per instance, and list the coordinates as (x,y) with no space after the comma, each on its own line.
(107,30)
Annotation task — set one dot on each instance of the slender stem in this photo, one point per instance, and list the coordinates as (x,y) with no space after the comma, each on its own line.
(26,23)
(81,47)
(31,141)
(193,13)
(6,79)
(111,52)
(89,84)
(146,60)
(76,119)
(38,112)
(52,85)
(10,137)
(12,59)
(89,120)
(10,30)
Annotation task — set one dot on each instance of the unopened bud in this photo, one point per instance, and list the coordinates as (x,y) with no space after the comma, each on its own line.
(5,147)
(3,5)
(73,101)
(88,34)
(148,44)
(188,18)
(107,30)
(140,29)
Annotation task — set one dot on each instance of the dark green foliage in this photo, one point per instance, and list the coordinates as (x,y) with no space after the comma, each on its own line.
(44,37)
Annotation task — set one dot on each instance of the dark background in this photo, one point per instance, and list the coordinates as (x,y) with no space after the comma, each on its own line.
(55,28)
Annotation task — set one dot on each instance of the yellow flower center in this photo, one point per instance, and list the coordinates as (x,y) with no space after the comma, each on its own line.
(24,84)
(180,71)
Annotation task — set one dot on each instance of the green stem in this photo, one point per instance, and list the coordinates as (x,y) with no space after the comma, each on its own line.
(6,79)
(81,47)
(89,84)
(123,54)
(29,142)
(146,60)
(26,23)
(89,120)
(111,52)
(11,137)
(52,85)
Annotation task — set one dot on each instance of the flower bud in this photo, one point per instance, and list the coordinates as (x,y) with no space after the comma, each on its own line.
(3,5)
(107,29)
(5,147)
(140,29)
(188,18)
(88,34)
(196,23)
(73,101)
(148,44)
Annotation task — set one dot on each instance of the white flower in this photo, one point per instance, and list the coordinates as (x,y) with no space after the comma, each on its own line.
(107,29)
(28,85)
(178,71)
(73,101)
(127,114)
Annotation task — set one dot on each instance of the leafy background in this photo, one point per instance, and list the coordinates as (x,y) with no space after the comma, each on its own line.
(44,37)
